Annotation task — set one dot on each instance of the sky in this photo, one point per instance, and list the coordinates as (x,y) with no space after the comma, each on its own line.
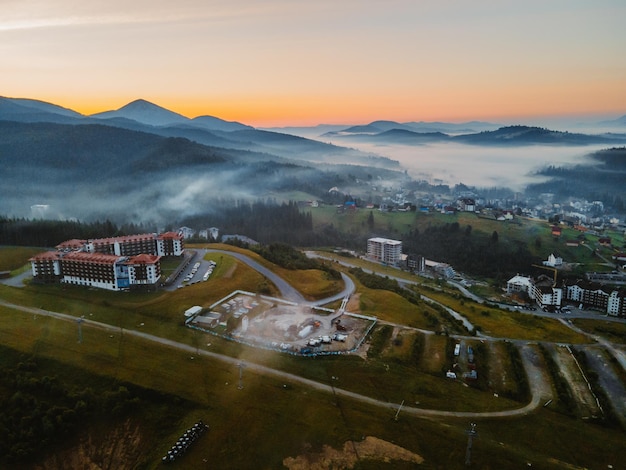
(294,62)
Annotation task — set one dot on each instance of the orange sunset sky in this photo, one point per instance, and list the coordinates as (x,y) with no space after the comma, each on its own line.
(293,62)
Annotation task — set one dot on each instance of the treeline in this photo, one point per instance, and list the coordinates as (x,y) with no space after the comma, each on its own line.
(469,251)
(265,221)
(49,233)
(374,281)
(38,412)
(288,257)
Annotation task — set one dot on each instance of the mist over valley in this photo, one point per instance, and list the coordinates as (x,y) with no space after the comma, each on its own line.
(143,162)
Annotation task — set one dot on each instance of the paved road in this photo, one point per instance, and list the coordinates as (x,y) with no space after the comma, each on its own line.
(532,370)
(403,282)
(287,291)
(540,389)
(17,281)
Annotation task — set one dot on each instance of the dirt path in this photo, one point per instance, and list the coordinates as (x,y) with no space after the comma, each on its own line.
(538,380)
(536,377)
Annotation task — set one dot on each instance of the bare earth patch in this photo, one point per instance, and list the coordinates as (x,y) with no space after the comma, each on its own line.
(371,448)
(120,449)
(228,274)
(570,371)
(354,304)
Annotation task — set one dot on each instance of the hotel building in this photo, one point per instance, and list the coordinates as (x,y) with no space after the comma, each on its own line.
(117,263)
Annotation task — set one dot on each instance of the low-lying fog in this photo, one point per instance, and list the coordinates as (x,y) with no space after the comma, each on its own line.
(481,166)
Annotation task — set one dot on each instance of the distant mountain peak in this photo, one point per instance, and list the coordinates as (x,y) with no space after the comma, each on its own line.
(145,112)
(141,104)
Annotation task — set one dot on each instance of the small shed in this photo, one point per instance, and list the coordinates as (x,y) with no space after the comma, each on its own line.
(190,312)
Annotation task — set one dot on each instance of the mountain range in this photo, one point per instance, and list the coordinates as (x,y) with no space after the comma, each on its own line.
(145,162)
(517,135)
(209,130)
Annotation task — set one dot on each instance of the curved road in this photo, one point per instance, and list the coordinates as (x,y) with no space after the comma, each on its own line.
(540,389)
(287,290)
(537,383)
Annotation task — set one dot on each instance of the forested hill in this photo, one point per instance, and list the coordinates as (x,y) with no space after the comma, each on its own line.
(604,179)
(99,172)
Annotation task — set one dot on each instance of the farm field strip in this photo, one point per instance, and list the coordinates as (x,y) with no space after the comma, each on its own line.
(587,402)
(613,387)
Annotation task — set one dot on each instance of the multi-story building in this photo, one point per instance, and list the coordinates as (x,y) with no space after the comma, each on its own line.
(609,299)
(169,244)
(46,267)
(518,284)
(100,270)
(116,263)
(546,294)
(616,305)
(384,250)
(542,291)
(129,245)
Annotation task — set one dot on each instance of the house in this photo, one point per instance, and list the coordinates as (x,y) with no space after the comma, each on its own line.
(211,233)
(186,232)
(442,269)
(604,241)
(505,215)
(518,284)
(619,257)
(467,204)
(553,261)
(556,231)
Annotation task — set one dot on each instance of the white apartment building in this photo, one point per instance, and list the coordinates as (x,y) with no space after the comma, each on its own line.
(384,250)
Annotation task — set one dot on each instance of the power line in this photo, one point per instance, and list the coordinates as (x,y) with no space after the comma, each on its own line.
(471,434)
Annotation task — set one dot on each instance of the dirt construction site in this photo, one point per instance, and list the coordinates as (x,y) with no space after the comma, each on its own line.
(273,323)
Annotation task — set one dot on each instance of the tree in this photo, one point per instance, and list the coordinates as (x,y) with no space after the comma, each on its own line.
(370,220)
(494,237)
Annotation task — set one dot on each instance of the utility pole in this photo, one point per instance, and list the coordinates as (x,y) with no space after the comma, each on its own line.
(79,321)
(471,433)
(241,365)
(398,412)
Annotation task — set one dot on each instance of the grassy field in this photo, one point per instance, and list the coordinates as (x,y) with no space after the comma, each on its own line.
(394,308)
(16,257)
(505,324)
(313,284)
(536,234)
(270,419)
(612,331)
(248,431)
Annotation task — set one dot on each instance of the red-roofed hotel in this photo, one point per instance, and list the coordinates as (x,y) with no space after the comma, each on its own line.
(117,263)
